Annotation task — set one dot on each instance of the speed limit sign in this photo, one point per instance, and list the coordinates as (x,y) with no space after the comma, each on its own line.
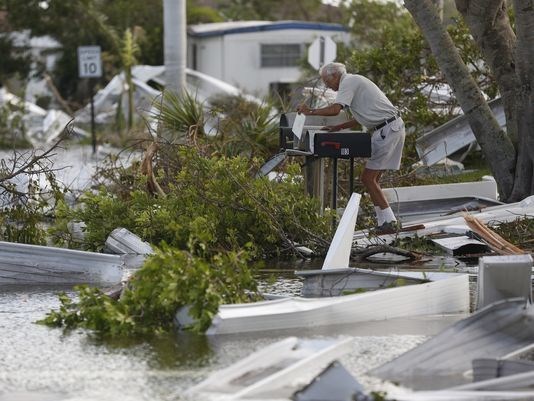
(89,62)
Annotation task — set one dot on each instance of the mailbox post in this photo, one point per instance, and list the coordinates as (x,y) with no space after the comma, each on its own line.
(316,145)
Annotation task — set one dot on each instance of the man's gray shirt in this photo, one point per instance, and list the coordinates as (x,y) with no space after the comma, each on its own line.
(367,103)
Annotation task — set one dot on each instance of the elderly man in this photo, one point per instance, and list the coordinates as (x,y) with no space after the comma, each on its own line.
(371,108)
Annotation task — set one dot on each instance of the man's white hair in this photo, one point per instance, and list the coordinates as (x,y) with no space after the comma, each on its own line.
(333,69)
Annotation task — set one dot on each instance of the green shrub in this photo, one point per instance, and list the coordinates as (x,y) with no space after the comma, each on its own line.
(23,224)
(170,279)
(215,200)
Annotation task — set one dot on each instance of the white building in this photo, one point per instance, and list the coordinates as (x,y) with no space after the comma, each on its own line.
(257,56)
(43,49)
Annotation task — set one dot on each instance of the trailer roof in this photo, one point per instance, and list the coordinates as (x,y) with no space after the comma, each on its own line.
(236,27)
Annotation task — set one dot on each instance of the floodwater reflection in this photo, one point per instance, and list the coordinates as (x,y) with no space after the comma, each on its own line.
(41,363)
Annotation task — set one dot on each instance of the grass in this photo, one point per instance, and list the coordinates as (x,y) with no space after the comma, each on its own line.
(467,176)
(519,232)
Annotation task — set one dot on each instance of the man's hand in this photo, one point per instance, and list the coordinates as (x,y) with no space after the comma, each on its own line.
(346,125)
(330,128)
(303,109)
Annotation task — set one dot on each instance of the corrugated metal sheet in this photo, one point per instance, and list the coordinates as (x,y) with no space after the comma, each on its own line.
(490,332)
(491,368)
(461,245)
(33,264)
(452,136)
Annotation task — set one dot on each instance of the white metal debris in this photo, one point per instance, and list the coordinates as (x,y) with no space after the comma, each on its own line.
(452,136)
(502,277)
(34,264)
(493,331)
(461,245)
(492,215)
(338,254)
(122,241)
(41,126)
(449,295)
(277,370)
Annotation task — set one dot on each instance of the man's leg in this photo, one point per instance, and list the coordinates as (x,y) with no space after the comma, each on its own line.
(370,179)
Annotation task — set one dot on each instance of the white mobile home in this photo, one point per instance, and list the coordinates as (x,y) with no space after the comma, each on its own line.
(257,56)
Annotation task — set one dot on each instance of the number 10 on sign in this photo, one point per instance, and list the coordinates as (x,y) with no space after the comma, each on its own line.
(89,62)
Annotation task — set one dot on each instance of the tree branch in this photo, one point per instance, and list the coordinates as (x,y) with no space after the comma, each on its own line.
(32,165)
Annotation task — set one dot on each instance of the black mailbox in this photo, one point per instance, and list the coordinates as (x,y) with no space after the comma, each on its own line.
(288,139)
(314,143)
(344,145)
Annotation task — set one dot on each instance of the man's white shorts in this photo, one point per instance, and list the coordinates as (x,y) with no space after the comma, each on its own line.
(387,144)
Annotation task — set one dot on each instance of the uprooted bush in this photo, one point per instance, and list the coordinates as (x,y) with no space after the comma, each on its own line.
(216,200)
(170,279)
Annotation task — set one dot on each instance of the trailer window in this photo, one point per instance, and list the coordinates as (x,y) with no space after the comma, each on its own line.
(281,55)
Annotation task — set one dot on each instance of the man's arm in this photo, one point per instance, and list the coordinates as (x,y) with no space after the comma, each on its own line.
(332,110)
(347,124)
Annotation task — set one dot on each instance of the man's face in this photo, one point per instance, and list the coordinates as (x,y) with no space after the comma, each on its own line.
(331,81)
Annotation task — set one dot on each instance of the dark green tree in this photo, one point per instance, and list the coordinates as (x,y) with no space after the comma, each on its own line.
(306,10)
(371,23)
(86,22)
(70,23)
(14,61)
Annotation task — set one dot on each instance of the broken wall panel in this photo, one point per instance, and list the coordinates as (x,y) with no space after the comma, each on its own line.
(452,136)
(492,332)
(37,265)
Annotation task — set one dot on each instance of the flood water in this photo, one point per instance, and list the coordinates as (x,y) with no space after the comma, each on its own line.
(38,363)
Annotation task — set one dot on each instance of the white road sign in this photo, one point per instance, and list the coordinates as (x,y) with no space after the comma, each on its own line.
(89,62)
(322,51)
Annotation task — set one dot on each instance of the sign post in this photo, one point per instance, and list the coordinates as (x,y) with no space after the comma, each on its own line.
(322,51)
(90,66)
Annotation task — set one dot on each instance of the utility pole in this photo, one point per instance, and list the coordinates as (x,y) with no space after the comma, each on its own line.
(174,42)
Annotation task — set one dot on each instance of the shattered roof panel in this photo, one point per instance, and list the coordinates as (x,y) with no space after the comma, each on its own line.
(491,332)
(452,136)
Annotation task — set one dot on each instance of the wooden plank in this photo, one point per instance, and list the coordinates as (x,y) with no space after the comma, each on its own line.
(494,240)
